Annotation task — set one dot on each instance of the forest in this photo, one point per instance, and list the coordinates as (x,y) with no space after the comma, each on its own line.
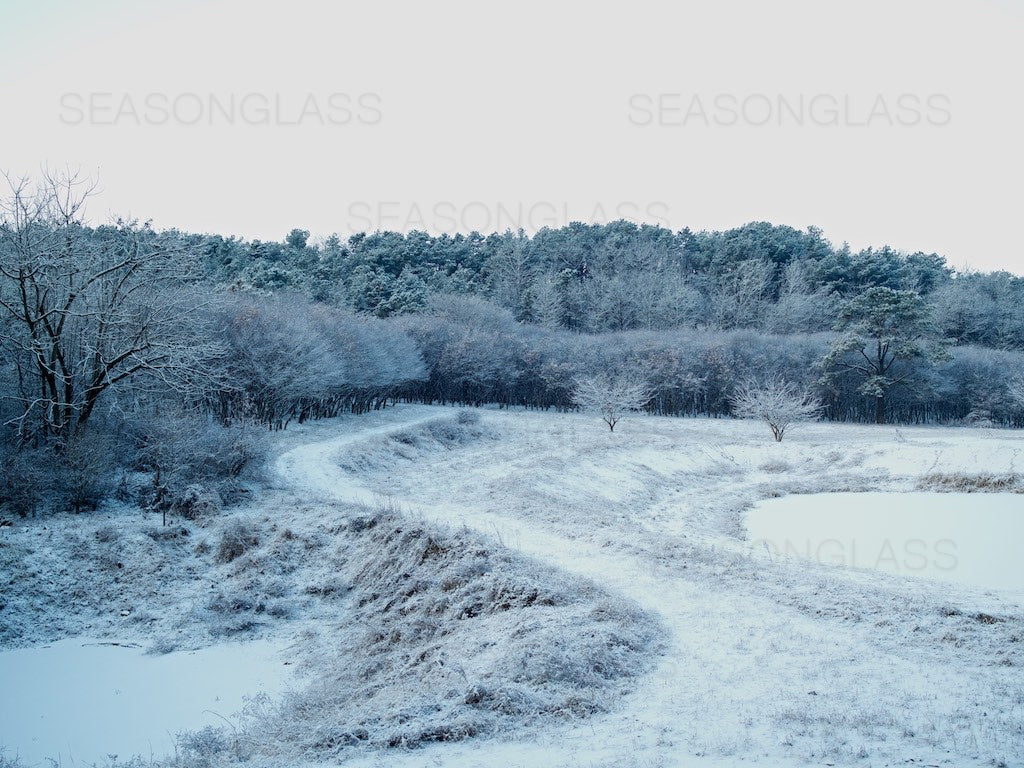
(170,353)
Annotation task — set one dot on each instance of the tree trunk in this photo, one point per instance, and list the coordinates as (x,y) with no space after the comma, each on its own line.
(880,409)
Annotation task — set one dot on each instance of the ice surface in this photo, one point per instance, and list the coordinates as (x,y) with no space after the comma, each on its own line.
(79,701)
(967,538)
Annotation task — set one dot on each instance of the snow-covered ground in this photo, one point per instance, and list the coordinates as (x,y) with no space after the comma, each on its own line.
(768,660)
(776,661)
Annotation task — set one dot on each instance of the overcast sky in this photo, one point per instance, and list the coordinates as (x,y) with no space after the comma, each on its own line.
(880,122)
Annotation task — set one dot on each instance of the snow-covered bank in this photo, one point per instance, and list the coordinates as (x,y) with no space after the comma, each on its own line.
(971,539)
(781,663)
(84,702)
(401,633)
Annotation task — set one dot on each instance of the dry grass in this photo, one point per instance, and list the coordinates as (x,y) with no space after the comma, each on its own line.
(961,482)
(444,637)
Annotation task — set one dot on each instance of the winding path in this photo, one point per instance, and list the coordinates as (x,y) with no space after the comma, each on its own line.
(732,665)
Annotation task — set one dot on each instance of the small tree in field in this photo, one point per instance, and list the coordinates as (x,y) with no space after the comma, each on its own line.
(776,402)
(611,396)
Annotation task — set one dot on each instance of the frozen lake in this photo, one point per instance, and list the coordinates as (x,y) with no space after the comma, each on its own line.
(79,701)
(965,538)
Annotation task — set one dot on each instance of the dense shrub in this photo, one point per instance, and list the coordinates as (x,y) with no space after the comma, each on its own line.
(477,353)
(24,480)
(237,538)
(79,477)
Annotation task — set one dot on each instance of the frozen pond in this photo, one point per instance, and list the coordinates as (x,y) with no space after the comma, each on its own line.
(970,539)
(80,701)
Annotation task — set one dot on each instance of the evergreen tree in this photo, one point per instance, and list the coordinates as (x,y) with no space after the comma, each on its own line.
(888,336)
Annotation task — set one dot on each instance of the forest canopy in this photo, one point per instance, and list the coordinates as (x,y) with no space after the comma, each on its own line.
(622,276)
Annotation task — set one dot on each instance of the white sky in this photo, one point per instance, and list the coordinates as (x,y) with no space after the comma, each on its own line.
(486,116)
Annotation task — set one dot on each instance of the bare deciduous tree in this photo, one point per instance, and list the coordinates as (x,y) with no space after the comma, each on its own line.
(86,310)
(512,273)
(740,297)
(1016,390)
(776,402)
(611,395)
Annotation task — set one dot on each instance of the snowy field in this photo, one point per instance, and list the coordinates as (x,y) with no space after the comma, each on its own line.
(538,591)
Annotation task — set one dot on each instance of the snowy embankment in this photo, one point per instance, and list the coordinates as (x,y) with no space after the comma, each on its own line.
(779,661)
(399,633)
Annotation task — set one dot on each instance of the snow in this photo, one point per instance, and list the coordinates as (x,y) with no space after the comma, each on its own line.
(79,701)
(966,538)
(774,662)
(765,663)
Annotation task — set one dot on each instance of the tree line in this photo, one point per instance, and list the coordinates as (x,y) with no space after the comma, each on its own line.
(478,353)
(176,349)
(595,278)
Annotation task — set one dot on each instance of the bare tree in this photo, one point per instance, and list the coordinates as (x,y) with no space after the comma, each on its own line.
(740,298)
(611,395)
(512,272)
(87,310)
(547,304)
(776,402)
(1016,390)
(801,307)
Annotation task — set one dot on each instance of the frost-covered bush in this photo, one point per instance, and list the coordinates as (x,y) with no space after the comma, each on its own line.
(776,402)
(451,432)
(979,419)
(86,470)
(962,482)
(79,477)
(467,418)
(237,538)
(224,452)
(25,479)
(444,638)
(162,646)
(10,761)
(196,502)
(188,450)
(775,466)
(197,465)
(207,747)
(232,602)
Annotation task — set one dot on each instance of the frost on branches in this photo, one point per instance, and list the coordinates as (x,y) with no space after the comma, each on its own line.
(611,395)
(776,402)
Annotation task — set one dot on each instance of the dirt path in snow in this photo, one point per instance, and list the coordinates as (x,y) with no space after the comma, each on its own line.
(735,667)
